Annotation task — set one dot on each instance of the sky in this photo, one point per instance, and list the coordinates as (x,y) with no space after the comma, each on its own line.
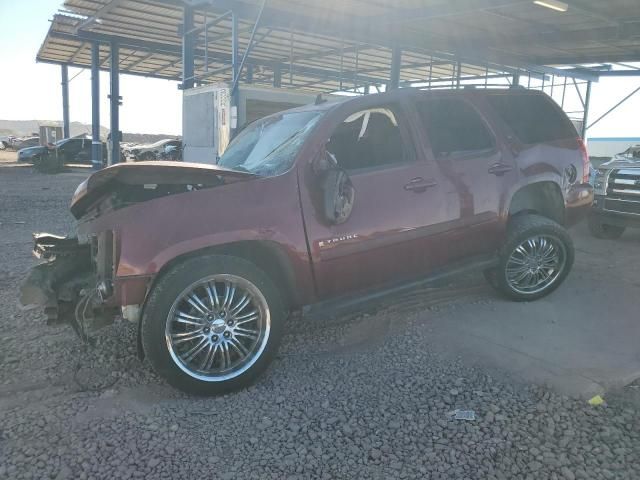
(31,91)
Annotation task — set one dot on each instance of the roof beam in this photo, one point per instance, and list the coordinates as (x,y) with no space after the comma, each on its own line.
(112,5)
(580,74)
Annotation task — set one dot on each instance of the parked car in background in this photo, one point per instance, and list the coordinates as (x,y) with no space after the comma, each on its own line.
(8,141)
(617,195)
(152,151)
(67,150)
(27,142)
(171,151)
(31,154)
(320,208)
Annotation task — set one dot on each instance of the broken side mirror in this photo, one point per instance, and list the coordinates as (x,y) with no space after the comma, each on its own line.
(338,193)
(338,196)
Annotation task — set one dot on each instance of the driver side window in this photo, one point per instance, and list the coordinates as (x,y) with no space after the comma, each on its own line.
(368,139)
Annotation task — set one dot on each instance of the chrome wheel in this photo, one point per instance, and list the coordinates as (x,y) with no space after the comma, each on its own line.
(218,327)
(535,264)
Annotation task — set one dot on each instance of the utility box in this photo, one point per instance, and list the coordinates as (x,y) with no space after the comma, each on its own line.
(208,119)
(50,134)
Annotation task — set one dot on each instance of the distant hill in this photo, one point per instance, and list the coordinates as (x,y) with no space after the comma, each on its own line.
(23,128)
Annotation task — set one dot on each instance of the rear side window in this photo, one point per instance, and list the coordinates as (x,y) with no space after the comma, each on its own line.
(454,126)
(533,118)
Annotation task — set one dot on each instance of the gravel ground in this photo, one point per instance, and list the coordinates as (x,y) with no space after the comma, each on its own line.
(329,407)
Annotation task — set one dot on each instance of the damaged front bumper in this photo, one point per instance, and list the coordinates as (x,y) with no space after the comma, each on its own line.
(66,285)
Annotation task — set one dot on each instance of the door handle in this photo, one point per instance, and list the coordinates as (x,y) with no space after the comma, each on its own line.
(499,169)
(419,184)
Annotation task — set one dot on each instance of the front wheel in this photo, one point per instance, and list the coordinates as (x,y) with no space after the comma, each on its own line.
(601,230)
(212,324)
(535,259)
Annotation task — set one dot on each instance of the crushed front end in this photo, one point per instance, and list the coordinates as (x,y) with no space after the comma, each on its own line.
(74,281)
(106,269)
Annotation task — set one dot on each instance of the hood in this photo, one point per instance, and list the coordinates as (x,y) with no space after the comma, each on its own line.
(621,161)
(143,174)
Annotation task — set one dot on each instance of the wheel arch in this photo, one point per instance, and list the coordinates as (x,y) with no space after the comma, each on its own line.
(264,254)
(543,198)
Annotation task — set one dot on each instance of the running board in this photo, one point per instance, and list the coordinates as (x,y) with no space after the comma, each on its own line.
(352,303)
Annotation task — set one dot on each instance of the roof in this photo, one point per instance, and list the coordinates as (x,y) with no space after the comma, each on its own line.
(342,44)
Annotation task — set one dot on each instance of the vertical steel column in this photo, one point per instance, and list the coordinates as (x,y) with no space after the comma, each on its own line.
(458,72)
(394,74)
(516,79)
(277,76)
(114,97)
(188,49)
(65,101)
(235,60)
(585,115)
(96,143)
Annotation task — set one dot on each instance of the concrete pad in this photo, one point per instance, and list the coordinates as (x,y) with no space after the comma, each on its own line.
(581,340)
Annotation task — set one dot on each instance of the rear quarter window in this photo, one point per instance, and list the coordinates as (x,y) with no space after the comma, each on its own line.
(533,118)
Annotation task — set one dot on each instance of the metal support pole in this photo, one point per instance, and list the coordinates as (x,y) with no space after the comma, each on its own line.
(396,61)
(459,68)
(234,47)
(585,116)
(277,76)
(96,143)
(516,80)
(114,97)
(256,25)
(188,49)
(291,57)
(206,44)
(65,101)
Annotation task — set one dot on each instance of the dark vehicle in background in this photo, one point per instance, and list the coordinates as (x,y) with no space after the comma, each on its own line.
(617,195)
(32,154)
(67,150)
(74,150)
(318,208)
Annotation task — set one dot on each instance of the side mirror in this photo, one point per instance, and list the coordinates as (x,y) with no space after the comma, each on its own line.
(338,195)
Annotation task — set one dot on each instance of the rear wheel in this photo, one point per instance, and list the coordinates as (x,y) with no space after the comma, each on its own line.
(535,259)
(212,324)
(601,230)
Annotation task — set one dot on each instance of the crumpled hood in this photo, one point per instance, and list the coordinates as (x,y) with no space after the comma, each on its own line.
(150,173)
(619,161)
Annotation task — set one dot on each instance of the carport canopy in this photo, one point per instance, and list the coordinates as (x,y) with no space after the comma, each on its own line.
(340,45)
(344,45)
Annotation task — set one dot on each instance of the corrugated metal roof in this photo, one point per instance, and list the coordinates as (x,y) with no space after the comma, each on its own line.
(339,44)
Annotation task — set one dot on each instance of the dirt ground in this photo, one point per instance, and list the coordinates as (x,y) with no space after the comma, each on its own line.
(364,396)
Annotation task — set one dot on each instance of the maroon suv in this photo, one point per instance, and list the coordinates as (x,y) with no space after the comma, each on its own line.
(325,206)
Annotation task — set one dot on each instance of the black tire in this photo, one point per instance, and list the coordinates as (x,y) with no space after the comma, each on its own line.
(521,229)
(171,286)
(604,231)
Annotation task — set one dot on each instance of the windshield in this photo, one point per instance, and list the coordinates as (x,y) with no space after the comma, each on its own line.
(269,146)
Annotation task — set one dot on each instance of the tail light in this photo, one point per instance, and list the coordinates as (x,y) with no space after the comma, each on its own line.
(585,160)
